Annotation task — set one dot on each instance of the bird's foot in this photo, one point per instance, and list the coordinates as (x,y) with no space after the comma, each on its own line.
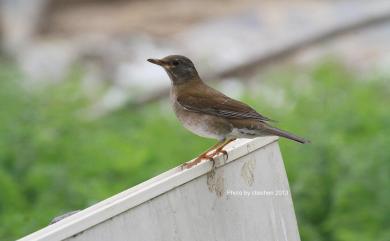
(194,162)
(210,156)
(218,151)
(225,154)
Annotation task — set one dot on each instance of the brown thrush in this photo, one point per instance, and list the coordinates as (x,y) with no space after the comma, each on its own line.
(211,114)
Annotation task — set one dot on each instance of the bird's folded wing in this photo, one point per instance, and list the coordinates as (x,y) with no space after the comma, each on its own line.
(219,105)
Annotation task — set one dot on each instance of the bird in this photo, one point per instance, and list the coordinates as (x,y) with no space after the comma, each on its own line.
(209,113)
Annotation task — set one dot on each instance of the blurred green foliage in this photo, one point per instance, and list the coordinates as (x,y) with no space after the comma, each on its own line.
(53,160)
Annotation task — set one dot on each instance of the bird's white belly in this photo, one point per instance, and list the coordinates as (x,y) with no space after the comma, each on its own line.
(198,124)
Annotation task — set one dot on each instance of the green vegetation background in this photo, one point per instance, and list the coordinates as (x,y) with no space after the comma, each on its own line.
(52,160)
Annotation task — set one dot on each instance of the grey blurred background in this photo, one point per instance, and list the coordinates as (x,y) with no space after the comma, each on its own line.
(112,39)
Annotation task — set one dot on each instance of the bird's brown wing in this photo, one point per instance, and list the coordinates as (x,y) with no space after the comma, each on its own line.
(219,104)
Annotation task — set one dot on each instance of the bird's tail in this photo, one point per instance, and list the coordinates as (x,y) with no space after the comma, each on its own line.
(277,132)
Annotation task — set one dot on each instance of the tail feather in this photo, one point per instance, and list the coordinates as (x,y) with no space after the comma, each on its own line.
(285,134)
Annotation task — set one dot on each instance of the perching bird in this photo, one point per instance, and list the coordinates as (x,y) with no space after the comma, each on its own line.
(209,113)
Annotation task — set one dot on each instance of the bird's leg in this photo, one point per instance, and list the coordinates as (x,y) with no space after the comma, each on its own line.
(220,148)
(202,156)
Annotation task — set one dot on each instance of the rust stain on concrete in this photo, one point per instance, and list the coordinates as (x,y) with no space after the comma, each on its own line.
(247,172)
(216,182)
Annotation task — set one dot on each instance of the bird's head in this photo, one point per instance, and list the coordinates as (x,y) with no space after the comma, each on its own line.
(179,68)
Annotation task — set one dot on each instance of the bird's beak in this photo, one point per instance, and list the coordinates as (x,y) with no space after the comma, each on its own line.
(158,62)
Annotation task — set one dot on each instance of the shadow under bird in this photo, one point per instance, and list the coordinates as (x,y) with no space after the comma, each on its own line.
(211,114)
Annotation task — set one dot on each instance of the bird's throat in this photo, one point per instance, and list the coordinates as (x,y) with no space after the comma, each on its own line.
(183,77)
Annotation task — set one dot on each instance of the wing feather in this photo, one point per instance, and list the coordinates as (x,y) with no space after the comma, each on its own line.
(219,104)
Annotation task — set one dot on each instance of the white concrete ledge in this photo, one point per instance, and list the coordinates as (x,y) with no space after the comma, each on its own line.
(173,196)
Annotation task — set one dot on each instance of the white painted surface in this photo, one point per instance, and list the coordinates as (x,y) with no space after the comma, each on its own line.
(247,198)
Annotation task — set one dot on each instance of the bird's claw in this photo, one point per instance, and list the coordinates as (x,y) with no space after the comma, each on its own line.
(225,154)
(212,160)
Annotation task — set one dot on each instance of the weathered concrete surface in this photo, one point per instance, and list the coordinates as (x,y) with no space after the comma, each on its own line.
(247,199)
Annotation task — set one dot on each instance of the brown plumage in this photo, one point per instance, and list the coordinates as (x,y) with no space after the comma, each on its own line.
(209,113)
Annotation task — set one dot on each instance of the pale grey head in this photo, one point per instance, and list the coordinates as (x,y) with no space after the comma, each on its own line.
(179,68)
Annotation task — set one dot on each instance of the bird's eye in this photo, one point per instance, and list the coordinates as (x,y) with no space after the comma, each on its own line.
(175,63)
